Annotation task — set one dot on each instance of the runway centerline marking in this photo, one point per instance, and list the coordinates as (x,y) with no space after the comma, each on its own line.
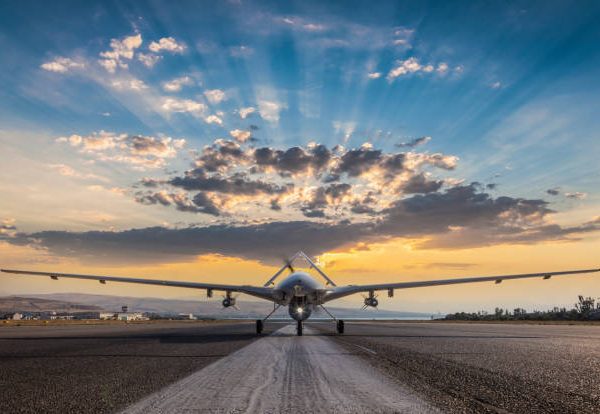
(285,373)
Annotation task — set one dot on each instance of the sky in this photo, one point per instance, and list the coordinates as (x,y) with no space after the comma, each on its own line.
(392,141)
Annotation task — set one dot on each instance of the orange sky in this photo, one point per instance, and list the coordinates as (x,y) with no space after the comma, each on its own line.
(376,263)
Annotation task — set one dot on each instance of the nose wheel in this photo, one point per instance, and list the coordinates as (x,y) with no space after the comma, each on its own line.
(299,328)
(259,326)
(340,327)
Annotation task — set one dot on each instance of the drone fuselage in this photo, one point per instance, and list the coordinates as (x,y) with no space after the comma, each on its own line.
(301,293)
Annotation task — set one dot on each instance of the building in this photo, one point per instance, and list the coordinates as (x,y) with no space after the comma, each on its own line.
(16,316)
(107,315)
(131,316)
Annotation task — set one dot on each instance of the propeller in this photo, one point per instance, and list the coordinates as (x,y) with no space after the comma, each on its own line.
(287,264)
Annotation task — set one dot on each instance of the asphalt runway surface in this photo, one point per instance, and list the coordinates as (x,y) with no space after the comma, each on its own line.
(375,366)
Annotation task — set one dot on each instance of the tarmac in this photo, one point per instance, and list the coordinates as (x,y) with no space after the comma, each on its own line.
(375,366)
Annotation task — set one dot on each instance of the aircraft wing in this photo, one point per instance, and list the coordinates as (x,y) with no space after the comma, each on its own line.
(338,292)
(260,292)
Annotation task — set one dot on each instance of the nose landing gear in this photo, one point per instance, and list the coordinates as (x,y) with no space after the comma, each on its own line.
(299,328)
(259,326)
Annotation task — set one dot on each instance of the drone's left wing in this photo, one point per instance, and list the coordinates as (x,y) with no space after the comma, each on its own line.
(338,292)
(260,292)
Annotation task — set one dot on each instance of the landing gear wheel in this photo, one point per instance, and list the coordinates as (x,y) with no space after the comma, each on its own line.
(299,328)
(259,327)
(340,327)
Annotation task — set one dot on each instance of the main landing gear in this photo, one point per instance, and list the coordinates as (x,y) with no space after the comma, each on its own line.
(340,326)
(260,323)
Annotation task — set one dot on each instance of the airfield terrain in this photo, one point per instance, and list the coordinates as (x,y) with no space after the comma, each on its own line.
(225,367)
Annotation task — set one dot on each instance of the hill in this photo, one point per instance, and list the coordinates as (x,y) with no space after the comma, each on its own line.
(29,304)
(249,308)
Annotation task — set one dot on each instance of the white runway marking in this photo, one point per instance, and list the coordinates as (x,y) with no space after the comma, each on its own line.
(284,373)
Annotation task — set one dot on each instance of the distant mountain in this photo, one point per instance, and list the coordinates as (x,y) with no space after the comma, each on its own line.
(249,308)
(28,304)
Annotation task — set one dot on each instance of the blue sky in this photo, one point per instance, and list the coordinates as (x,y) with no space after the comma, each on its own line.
(130,116)
(314,60)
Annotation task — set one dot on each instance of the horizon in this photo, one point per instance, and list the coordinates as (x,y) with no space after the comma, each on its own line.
(391,141)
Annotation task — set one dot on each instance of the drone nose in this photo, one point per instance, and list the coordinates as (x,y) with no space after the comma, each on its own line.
(298,290)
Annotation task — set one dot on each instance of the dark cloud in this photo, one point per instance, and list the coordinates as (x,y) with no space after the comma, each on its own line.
(414,142)
(323,197)
(149,182)
(420,184)
(198,180)
(361,208)
(147,145)
(266,242)
(358,161)
(153,198)
(205,204)
(275,205)
(461,206)
(220,155)
(293,160)
(553,191)
(459,217)
(200,203)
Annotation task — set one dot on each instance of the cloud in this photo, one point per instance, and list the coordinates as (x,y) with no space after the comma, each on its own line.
(298,23)
(496,85)
(303,179)
(420,184)
(246,112)
(68,171)
(199,204)
(404,67)
(167,44)
(576,195)
(131,84)
(139,152)
(294,160)
(323,197)
(184,106)
(460,217)
(269,110)
(412,65)
(414,142)
(553,191)
(176,84)
(62,65)
(442,67)
(241,51)
(199,180)
(213,119)
(374,75)
(240,135)
(7,228)
(148,59)
(215,96)
(121,51)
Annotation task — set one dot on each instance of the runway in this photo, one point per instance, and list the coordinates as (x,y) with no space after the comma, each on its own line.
(374,367)
(289,374)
